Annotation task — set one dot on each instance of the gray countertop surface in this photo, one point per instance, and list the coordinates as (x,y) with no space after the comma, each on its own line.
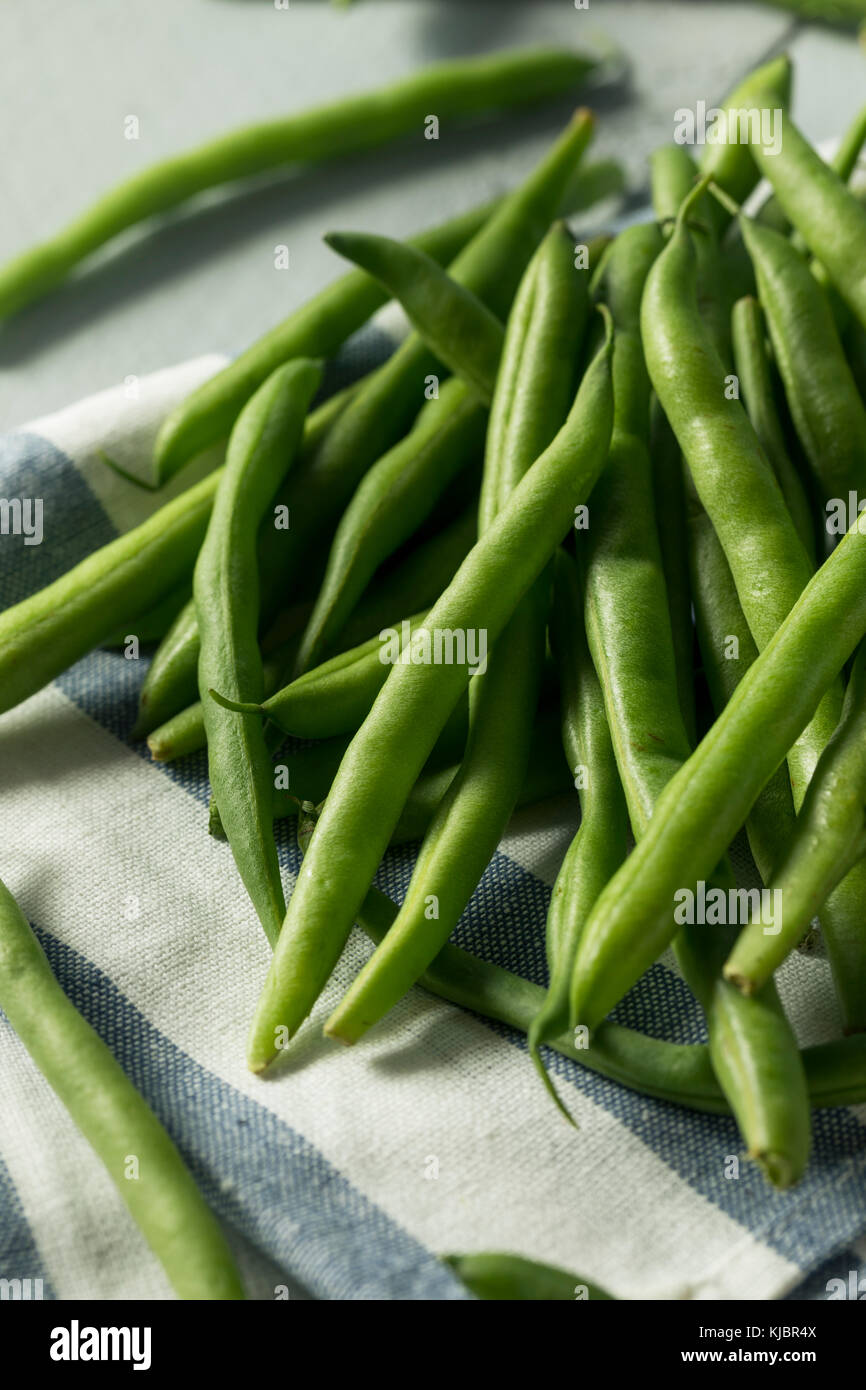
(203,279)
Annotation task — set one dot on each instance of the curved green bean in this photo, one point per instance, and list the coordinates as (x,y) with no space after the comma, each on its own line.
(454,324)
(370,790)
(453,89)
(226,593)
(163,1200)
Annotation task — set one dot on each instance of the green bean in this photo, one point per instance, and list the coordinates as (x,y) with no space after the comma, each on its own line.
(825,406)
(678,1073)
(390,503)
(673,177)
(171,682)
(226,592)
(470,820)
(52,629)
(753,1050)
(600,845)
(705,803)
(753,372)
(830,837)
(316,329)
(152,626)
(739,491)
(844,162)
(371,789)
(831,220)
(733,163)
(163,1200)
(452,89)
(728,650)
(454,324)
(512,1278)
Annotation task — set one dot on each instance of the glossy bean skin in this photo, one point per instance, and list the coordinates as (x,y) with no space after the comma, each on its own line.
(171,682)
(226,594)
(456,89)
(752,1047)
(828,216)
(317,329)
(52,629)
(739,491)
(367,796)
(470,820)
(830,836)
(393,499)
(504,1277)
(706,802)
(164,1201)
(462,332)
(601,842)
(675,1072)
(756,386)
(823,400)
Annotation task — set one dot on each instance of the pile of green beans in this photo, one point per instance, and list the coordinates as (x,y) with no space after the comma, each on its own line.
(611,468)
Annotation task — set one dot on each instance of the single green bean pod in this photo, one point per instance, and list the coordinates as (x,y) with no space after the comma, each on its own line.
(453,89)
(462,331)
(226,592)
(163,1201)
